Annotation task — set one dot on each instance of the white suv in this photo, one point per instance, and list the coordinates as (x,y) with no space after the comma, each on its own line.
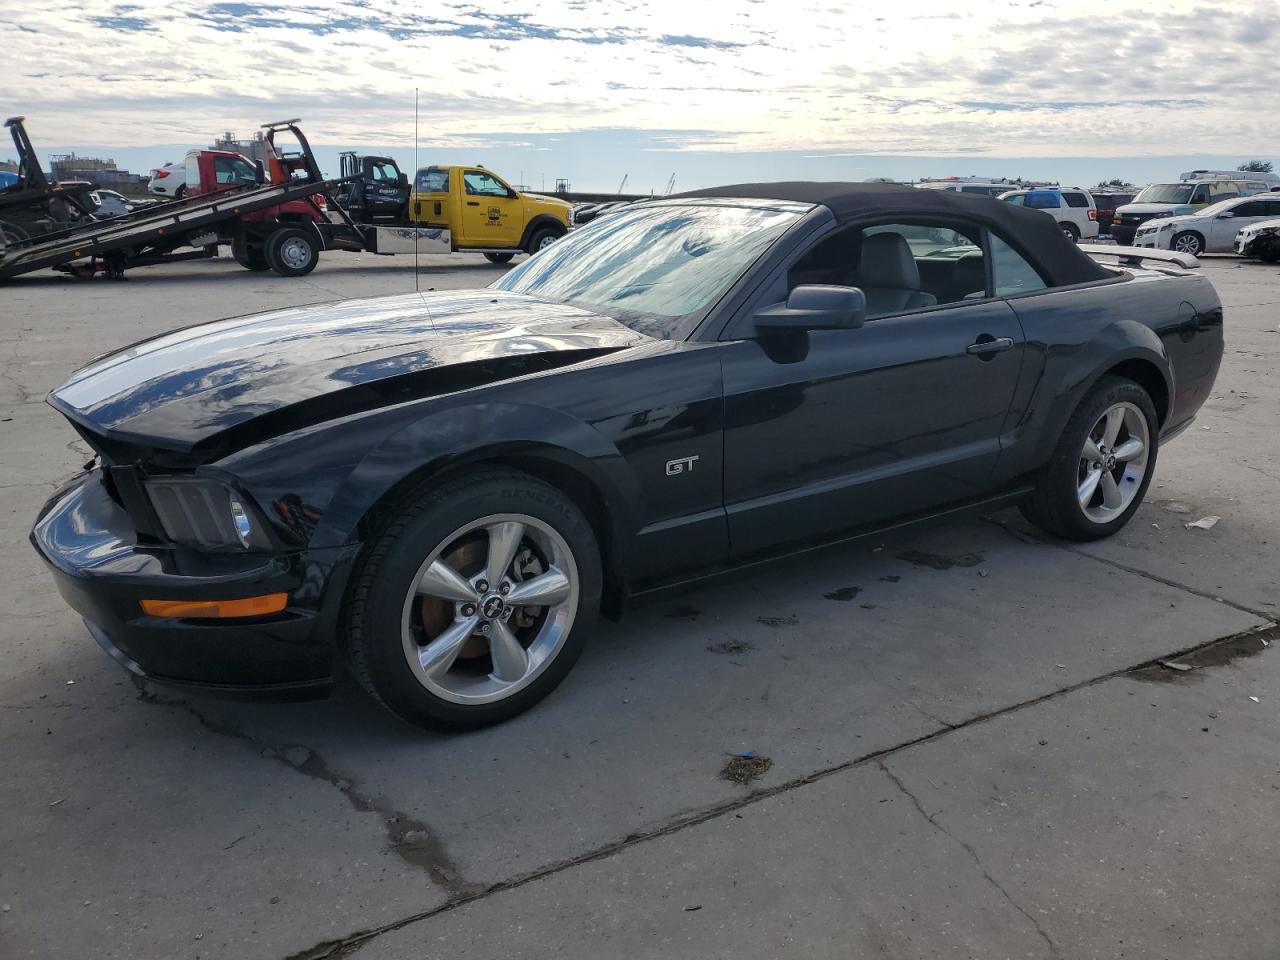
(1073,208)
(1211,230)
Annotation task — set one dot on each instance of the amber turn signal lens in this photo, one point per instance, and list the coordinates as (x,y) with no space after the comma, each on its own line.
(248,607)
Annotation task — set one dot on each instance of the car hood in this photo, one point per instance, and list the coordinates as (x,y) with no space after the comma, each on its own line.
(1260,225)
(1178,221)
(297,366)
(1153,209)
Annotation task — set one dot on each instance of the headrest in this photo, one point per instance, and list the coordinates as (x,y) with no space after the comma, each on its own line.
(887,262)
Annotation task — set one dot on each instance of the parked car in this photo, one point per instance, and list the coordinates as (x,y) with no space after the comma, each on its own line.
(981,188)
(1212,230)
(1260,239)
(1071,208)
(169,180)
(1174,199)
(108,203)
(444,489)
(1106,204)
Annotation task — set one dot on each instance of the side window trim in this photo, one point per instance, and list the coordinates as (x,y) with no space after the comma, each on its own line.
(991,269)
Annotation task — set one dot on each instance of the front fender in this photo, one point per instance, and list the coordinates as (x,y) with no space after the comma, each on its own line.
(454,436)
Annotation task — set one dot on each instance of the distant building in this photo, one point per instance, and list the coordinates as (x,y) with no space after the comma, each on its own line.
(255,149)
(8,166)
(103,173)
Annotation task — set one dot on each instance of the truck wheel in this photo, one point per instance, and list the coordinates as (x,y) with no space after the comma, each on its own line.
(292,252)
(1189,242)
(12,233)
(249,255)
(499,257)
(1070,231)
(543,238)
(1099,472)
(473,603)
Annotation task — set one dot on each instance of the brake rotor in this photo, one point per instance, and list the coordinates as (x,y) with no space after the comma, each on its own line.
(467,557)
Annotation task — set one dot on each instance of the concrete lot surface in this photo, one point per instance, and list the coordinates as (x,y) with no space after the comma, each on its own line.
(971,752)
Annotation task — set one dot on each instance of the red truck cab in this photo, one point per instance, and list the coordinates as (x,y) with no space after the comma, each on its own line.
(212,171)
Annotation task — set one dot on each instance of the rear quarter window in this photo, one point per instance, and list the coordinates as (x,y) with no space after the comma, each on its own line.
(1076,199)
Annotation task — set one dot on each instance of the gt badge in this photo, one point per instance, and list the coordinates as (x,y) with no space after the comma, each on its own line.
(680,466)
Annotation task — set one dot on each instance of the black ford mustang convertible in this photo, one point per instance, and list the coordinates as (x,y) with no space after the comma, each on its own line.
(444,490)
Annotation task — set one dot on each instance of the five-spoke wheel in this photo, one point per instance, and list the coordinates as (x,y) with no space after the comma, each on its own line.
(1102,464)
(490,608)
(475,600)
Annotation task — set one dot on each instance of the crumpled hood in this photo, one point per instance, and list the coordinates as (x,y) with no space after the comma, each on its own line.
(180,389)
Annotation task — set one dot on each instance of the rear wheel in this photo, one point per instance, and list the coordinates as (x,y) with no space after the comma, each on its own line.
(12,233)
(543,238)
(249,255)
(1100,470)
(292,251)
(1070,231)
(180,192)
(1189,242)
(499,257)
(474,603)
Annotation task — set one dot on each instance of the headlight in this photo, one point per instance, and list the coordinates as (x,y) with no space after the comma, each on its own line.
(1267,231)
(204,513)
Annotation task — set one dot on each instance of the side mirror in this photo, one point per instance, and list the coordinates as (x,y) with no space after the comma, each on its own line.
(404,179)
(259,172)
(816,307)
(1226,215)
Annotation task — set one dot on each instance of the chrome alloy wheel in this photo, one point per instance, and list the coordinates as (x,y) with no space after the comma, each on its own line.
(490,608)
(295,253)
(1113,462)
(1187,243)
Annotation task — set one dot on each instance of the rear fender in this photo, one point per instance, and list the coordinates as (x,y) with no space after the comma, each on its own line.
(1125,342)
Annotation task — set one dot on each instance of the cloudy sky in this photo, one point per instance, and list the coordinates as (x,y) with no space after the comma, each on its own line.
(596,88)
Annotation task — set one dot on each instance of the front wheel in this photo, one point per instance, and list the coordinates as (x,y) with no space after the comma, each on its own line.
(292,252)
(1189,242)
(1099,472)
(474,603)
(543,238)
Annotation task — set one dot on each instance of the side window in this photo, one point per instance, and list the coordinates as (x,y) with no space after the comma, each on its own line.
(432,181)
(1254,208)
(480,184)
(1011,273)
(1017,200)
(385,171)
(1076,199)
(1201,194)
(898,266)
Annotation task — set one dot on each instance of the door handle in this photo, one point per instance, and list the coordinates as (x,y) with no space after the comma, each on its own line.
(473,203)
(987,346)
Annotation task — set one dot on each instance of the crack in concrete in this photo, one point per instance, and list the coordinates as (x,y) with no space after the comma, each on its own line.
(349,945)
(1025,537)
(411,840)
(973,855)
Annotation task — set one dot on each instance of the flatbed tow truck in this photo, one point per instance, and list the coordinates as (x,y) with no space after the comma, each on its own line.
(192,228)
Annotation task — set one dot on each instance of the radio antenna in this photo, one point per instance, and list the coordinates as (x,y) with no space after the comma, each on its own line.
(411,186)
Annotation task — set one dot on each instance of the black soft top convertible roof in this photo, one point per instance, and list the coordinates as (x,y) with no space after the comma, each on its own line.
(1037,236)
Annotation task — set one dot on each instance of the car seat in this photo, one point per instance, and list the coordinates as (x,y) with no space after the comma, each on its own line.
(889,277)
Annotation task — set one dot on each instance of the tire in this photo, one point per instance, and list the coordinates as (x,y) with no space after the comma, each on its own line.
(1270,254)
(292,251)
(1070,231)
(180,192)
(12,233)
(1188,242)
(391,623)
(499,257)
(543,238)
(1057,506)
(248,255)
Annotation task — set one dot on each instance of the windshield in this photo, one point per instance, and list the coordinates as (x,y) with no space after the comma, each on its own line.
(1166,193)
(654,267)
(432,180)
(1216,208)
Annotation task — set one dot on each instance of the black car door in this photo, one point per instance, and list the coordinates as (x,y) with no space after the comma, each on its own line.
(832,429)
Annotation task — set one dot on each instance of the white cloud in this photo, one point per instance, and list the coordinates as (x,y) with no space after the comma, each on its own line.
(1127,77)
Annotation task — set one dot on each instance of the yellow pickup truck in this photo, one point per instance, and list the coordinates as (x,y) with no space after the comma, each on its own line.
(483,214)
